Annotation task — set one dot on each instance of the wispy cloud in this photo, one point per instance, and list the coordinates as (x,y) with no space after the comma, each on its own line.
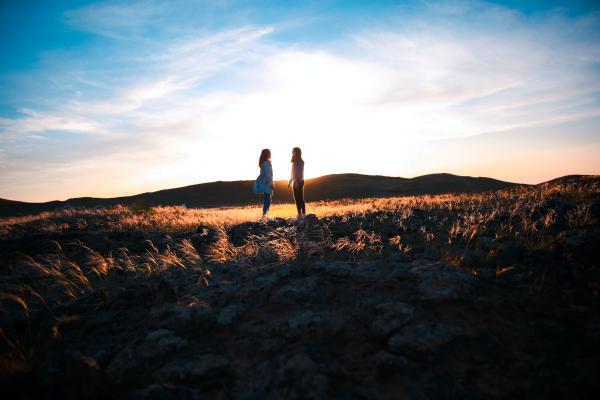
(140,112)
(174,68)
(117,19)
(37,122)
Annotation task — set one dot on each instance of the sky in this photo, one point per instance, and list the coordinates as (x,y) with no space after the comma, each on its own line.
(116,98)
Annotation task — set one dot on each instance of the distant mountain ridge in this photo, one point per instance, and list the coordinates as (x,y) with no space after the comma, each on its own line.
(236,193)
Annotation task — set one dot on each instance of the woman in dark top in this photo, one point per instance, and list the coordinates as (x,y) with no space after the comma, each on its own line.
(297,179)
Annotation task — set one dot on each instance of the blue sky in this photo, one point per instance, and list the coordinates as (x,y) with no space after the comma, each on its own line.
(114,98)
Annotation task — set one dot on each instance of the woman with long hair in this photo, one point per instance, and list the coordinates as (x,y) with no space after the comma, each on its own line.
(264,182)
(297,179)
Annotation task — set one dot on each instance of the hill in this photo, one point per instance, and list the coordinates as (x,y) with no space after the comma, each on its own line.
(235,193)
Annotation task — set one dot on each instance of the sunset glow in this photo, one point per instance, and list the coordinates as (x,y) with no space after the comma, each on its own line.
(125,97)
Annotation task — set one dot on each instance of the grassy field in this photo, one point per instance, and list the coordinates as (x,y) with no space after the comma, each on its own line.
(538,242)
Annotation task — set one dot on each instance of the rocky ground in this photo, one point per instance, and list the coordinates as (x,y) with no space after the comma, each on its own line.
(345,315)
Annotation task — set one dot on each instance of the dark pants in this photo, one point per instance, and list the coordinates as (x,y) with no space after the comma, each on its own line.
(266,202)
(299,197)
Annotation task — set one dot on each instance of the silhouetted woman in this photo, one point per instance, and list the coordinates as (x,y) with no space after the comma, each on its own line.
(297,179)
(264,182)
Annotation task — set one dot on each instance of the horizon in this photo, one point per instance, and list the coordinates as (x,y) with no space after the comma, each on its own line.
(308,179)
(113,98)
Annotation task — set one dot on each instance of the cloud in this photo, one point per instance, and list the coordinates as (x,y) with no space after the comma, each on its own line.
(503,72)
(116,19)
(177,66)
(142,113)
(35,122)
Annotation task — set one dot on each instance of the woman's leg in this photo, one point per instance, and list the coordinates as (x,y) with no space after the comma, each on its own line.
(297,198)
(266,203)
(302,203)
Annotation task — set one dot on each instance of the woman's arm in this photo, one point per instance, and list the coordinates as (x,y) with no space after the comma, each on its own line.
(292,174)
(269,174)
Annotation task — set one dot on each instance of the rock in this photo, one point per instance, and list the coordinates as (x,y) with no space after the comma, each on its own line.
(182,313)
(439,282)
(167,240)
(102,356)
(160,342)
(204,230)
(592,330)
(369,272)
(399,270)
(163,289)
(387,363)
(340,269)
(291,377)
(239,233)
(296,290)
(268,280)
(166,392)
(157,334)
(310,323)
(266,255)
(436,290)
(310,219)
(424,270)
(276,222)
(203,237)
(304,321)
(123,363)
(201,312)
(487,273)
(229,314)
(310,230)
(342,228)
(264,284)
(390,317)
(200,369)
(81,378)
(179,315)
(225,288)
(419,338)
(486,241)
(300,362)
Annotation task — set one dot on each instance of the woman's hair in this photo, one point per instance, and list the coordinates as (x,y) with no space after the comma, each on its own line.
(296,154)
(265,155)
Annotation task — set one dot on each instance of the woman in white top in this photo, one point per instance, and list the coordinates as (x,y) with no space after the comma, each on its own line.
(265,179)
(297,179)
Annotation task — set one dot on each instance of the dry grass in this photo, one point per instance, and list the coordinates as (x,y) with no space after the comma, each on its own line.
(466,230)
(178,219)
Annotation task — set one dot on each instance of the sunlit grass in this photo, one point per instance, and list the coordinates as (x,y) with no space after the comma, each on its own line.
(478,208)
(176,218)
